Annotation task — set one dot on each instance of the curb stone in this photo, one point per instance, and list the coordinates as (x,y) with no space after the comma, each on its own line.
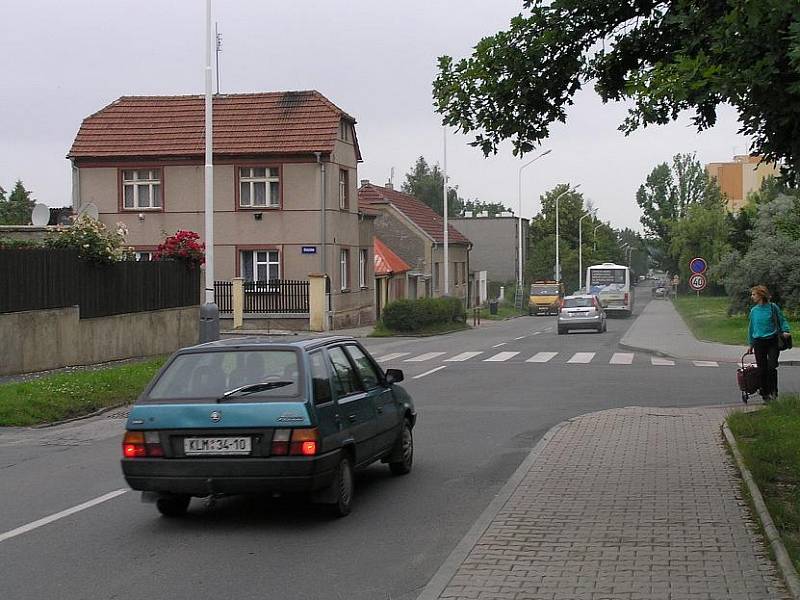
(783,363)
(445,573)
(785,565)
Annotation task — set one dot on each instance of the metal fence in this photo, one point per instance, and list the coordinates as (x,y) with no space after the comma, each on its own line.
(279,296)
(36,279)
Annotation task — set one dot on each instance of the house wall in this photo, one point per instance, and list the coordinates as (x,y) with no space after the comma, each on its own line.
(296,224)
(740,177)
(457,254)
(404,240)
(50,339)
(495,246)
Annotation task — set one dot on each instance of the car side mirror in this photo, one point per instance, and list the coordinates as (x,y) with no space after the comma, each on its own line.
(394,376)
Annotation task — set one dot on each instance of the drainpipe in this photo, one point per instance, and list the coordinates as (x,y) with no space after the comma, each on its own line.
(76,187)
(323,230)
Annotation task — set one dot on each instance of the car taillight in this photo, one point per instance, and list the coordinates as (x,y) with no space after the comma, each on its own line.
(626,297)
(139,444)
(295,442)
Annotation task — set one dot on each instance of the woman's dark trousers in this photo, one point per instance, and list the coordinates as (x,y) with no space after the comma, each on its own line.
(766,351)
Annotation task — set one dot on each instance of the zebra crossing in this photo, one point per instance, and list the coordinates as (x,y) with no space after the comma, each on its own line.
(576,358)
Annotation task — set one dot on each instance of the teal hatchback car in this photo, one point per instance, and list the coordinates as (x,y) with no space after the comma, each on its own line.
(252,416)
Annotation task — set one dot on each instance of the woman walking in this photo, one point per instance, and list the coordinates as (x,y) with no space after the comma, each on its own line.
(766,324)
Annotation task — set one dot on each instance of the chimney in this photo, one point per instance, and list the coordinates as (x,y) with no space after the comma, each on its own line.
(389,185)
(364,182)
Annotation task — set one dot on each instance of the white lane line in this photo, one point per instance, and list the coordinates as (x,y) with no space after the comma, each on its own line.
(392,356)
(500,344)
(429,372)
(501,357)
(424,357)
(657,361)
(705,363)
(463,356)
(59,515)
(541,357)
(522,337)
(536,333)
(621,358)
(548,329)
(581,358)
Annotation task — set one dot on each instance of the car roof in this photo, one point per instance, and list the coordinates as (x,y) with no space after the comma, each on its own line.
(579,296)
(261,342)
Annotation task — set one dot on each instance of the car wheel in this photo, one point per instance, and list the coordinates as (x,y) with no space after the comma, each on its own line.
(343,489)
(561,331)
(173,506)
(605,326)
(406,451)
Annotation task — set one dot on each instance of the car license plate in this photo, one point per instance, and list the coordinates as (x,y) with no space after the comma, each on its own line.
(216,445)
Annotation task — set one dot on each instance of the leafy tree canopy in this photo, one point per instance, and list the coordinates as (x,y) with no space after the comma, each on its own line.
(665,55)
(17,208)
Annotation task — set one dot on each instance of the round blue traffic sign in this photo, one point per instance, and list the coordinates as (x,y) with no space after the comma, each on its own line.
(698,265)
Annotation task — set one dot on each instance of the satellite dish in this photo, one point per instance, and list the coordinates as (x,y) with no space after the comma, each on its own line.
(90,210)
(41,215)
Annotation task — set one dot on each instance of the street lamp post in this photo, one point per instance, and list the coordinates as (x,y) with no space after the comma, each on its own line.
(519,218)
(594,236)
(558,262)
(580,246)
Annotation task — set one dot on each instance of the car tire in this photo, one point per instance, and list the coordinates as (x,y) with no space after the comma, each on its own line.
(173,505)
(561,331)
(405,441)
(605,326)
(343,486)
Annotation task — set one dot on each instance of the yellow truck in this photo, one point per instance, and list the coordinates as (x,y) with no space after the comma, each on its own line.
(545,297)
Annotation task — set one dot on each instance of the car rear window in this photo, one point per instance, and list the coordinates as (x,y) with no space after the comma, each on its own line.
(202,375)
(577,302)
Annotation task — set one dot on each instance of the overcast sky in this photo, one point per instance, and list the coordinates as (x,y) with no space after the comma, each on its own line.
(62,61)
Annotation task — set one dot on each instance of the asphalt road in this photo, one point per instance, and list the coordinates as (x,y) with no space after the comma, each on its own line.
(478,420)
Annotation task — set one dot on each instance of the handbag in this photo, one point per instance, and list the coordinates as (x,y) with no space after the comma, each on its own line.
(784,341)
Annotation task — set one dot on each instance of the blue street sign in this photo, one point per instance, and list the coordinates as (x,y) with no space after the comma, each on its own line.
(698,265)
(308,250)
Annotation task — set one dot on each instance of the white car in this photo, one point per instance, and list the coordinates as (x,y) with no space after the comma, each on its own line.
(582,311)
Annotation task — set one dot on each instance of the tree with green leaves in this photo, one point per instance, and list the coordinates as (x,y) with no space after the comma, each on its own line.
(666,56)
(17,208)
(703,231)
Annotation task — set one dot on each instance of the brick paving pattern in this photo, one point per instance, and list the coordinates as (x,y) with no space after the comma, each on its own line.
(634,503)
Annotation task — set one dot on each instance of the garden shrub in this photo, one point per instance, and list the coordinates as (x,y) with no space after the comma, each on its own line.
(413,315)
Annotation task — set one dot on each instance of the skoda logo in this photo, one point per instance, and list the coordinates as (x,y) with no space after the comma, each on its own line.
(215,416)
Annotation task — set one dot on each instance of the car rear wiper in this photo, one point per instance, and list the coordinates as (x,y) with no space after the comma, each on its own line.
(252,388)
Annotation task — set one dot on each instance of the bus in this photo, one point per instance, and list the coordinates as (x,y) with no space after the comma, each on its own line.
(612,284)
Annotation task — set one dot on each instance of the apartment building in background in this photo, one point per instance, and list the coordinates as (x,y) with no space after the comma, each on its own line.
(740,177)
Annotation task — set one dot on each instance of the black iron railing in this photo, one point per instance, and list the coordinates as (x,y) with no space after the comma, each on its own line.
(280,296)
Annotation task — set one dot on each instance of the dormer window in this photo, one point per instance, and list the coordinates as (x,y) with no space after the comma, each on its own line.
(344,130)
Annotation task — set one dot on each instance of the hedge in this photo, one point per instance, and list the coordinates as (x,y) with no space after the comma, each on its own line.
(413,315)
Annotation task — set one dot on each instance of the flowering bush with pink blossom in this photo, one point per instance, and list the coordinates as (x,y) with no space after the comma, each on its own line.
(183,246)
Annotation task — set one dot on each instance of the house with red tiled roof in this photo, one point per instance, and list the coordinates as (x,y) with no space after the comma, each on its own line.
(415,233)
(391,276)
(285,173)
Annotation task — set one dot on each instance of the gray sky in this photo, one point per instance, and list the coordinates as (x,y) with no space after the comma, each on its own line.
(62,61)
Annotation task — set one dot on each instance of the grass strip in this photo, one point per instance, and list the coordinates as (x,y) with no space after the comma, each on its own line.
(67,395)
(769,440)
(504,311)
(707,317)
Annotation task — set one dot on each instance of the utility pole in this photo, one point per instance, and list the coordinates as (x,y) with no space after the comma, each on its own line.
(218,38)
(445,211)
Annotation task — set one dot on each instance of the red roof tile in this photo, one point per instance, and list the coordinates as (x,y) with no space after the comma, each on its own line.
(263,123)
(417,211)
(386,261)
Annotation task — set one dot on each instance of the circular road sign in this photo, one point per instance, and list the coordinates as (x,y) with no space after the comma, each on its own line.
(697,282)
(698,265)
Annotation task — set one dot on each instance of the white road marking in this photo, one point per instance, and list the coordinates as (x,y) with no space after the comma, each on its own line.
(705,363)
(548,329)
(621,358)
(501,357)
(59,515)
(581,357)
(463,356)
(500,344)
(536,333)
(392,356)
(424,357)
(661,362)
(522,337)
(429,372)
(541,357)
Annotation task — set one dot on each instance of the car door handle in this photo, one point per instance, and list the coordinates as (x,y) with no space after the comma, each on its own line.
(351,418)
(380,409)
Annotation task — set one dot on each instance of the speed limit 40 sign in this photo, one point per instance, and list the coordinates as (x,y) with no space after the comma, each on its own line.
(697,282)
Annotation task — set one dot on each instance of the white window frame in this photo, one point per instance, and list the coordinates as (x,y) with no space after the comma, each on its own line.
(363,257)
(271,175)
(344,127)
(344,269)
(344,192)
(273,259)
(137,180)
(143,255)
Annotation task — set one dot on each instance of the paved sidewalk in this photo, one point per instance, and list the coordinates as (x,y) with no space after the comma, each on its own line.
(633,503)
(661,330)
